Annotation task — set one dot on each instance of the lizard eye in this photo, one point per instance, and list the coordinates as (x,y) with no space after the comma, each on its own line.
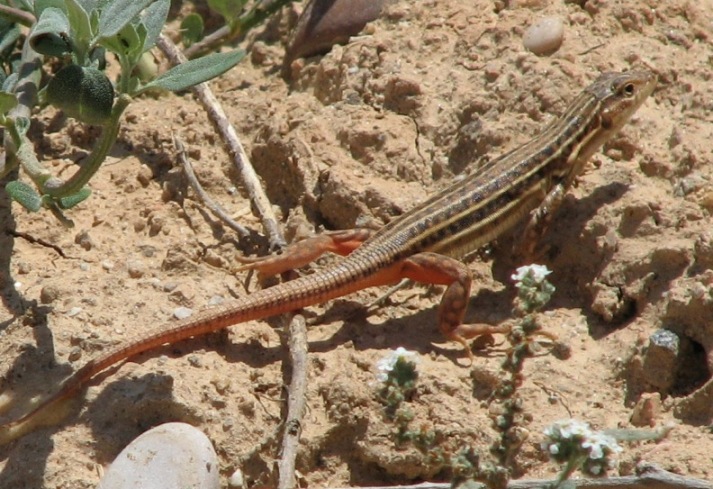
(628,89)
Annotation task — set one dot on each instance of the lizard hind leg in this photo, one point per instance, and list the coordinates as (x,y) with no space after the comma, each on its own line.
(433,268)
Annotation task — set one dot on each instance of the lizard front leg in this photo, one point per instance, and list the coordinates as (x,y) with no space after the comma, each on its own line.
(304,252)
(540,219)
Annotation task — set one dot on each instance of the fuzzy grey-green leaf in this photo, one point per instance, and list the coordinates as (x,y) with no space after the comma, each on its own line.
(74,199)
(196,71)
(83,93)
(49,36)
(25,195)
(117,14)
(8,101)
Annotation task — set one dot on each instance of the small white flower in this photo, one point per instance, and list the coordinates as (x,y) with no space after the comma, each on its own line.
(538,273)
(568,429)
(598,444)
(387,363)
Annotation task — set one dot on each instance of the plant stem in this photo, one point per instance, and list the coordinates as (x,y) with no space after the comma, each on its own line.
(56,188)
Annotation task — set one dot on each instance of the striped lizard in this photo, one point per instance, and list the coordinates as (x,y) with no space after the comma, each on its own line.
(424,244)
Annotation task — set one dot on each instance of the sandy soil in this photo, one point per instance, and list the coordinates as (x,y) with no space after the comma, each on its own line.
(430,91)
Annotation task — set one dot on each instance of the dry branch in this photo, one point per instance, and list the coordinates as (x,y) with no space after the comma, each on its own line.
(649,478)
(295,404)
(240,159)
(213,206)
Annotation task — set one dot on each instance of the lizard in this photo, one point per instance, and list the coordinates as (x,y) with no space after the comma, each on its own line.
(423,244)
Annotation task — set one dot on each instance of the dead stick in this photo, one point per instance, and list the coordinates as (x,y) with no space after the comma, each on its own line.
(235,148)
(650,478)
(213,206)
(295,403)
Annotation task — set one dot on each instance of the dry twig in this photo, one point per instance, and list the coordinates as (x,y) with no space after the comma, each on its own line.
(295,404)
(213,206)
(235,148)
(650,478)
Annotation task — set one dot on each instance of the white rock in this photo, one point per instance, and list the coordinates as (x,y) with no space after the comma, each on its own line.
(182,312)
(544,36)
(168,456)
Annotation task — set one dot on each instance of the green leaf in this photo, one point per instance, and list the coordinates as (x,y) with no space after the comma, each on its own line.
(154,18)
(195,71)
(79,22)
(9,36)
(115,16)
(83,93)
(229,9)
(130,41)
(9,84)
(8,101)
(41,5)
(191,29)
(88,5)
(50,35)
(25,195)
(74,199)
(22,124)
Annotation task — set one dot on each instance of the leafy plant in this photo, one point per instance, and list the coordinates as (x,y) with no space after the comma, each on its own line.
(81,33)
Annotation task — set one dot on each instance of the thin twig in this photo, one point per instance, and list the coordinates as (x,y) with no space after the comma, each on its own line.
(16,15)
(240,27)
(208,42)
(235,148)
(295,404)
(213,206)
(653,479)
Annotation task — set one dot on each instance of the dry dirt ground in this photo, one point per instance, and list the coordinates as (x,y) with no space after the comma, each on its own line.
(427,93)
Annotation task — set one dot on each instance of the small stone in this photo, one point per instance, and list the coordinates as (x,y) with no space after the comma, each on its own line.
(647,409)
(144,175)
(195,361)
(49,294)
(135,268)
(661,359)
(545,36)
(84,240)
(107,265)
(156,223)
(236,480)
(23,267)
(168,456)
(74,311)
(139,225)
(182,312)
(75,354)
(170,286)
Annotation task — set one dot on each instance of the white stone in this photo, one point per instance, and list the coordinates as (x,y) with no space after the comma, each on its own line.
(544,36)
(169,456)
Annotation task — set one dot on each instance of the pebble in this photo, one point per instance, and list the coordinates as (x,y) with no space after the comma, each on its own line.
(182,312)
(74,311)
(662,359)
(49,294)
(168,456)
(84,240)
(236,480)
(545,36)
(135,268)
